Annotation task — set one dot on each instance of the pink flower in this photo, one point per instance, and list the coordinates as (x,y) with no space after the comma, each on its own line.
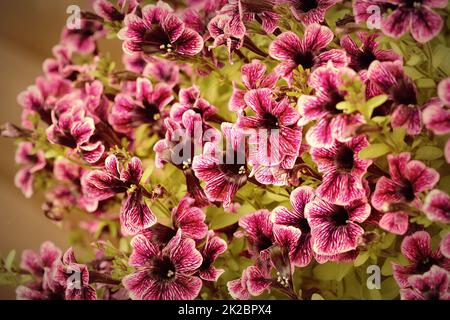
(72,128)
(303,253)
(253,282)
(408,178)
(189,219)
(273,130)
(258,230)
(417,249)
(253,76)
(227,31)
(342,170)
(148,107)
(31,162)
(436,117)
(336,229)
(437,206)
(444,91)
(213,247)
(104,184)
(75,278)
(223,172)
(106,10)
(42,265)
(390,79)
(362,56)
(190,100)
(83,40)
(432,285)
(423,22)
(331,123)
(310,11)
(164,273)
(162,71)
(156,29)
(307,52)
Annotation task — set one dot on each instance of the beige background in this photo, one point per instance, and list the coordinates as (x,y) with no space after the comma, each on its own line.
(28,31)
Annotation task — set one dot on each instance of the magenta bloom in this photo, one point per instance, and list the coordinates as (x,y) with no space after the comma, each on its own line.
(362,56)
(310,11)
(162,71)
(148,107)
(437,206)
(432,285)
(73,129)
(106,10)
(213,247)
(228,32)
(258,230)
(331,123)
(190,100)
(303,253)
(445,246)
(390,79)
(417,249)
(342,170)
(418,17)
(307,52)
(436,117)
(74,277)
(253,77)
(444,91)
(164,273)
(336,229)
(31,162)
(223,172)
(83,40)
(190,219)
(42,265)
(158,30)
(273,130)
(253,282)
(105,184)
(408,178)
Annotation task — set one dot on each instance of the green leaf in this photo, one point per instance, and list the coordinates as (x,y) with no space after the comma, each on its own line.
(426,83)
(374,151)
(332,271)
(428,153)
(373,103)
(361,259)
(9,261)
(317,296)
(389,289)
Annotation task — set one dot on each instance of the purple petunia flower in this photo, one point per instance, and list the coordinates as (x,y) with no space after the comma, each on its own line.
(390,79)
(253,76)
(408,178)
(74,277)
(303,253)
(362,56)
(258,230)
(444,91)
(418,17)
(253,282)
(83,40)
(31,163)
(336,229)
(189,99)
(162,71)
(432,285)
(273,131)
(223,172)
(148,107)
(367,11)
(156,29)
(310,11)
(445,246)
(111,13)
(189,219)
(225,31)
(437,206)
(213,247)
(417,249)
(342,170)
(42,265)
(164,273)
(436,117)
(307,52)
(332,124)
(105,184)
(72,128)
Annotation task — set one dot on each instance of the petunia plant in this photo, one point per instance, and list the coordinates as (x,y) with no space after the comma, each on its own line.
(289,149)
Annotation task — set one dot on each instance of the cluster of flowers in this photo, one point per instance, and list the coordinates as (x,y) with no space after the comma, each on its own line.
(329,121)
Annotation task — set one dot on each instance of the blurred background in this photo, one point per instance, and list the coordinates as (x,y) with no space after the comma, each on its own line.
(28,31)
